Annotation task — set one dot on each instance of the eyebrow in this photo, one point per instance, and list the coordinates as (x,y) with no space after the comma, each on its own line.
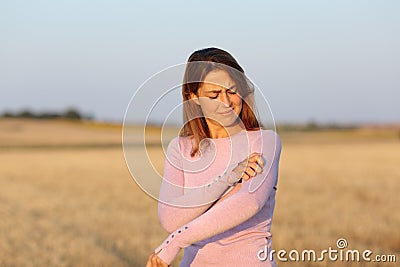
(217,91)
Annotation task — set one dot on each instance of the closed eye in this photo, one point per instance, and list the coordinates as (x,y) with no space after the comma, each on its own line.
(229,92)
(232,92)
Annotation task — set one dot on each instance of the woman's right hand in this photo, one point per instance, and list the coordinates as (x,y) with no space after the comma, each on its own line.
(246,169)
(250,166)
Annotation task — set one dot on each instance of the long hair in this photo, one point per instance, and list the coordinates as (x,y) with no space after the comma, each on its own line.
(199,64)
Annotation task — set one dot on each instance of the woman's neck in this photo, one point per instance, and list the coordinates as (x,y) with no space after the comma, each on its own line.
(223,132)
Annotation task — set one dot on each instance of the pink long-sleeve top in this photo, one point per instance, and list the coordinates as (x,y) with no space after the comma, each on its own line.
(230,232)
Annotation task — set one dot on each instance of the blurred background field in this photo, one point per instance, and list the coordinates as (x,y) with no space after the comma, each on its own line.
(329,73)
(67,197)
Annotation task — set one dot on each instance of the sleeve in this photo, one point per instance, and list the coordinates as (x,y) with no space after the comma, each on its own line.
(224,215)
(178,205)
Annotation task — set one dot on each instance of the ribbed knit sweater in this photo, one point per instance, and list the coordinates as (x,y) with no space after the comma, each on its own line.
(232,230)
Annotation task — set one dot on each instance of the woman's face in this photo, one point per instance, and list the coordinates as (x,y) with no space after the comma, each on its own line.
(219,98)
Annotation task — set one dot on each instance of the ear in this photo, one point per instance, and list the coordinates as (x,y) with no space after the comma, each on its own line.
(194,98)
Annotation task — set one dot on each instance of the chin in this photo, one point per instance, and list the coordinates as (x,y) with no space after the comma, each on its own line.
(229,122)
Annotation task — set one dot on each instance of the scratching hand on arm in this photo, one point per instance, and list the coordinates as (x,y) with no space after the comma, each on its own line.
(178,205)
(249,167)
(225,215)
(245,169)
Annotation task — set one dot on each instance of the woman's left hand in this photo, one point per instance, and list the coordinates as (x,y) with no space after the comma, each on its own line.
(155,261)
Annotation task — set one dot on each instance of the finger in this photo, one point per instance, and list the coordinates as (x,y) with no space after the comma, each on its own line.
(148,264)
(255,158)
(250,172)
(257,168)
(245,176)
(259,160)
(255,154)
(252,157)
(161,263)
(154,260)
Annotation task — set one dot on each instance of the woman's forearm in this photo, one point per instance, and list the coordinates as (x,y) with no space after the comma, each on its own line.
(176,210)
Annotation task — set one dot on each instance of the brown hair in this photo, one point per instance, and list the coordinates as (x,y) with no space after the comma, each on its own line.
(199,64)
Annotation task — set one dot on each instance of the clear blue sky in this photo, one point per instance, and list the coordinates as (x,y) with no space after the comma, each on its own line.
(328,61)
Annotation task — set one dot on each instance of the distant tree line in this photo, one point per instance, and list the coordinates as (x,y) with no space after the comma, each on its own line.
(70,113)
(314,126)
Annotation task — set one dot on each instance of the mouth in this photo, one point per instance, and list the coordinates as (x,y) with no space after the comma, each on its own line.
(226,112)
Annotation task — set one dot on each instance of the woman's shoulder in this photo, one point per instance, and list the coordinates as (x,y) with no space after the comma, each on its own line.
(179,143)
(265,136)
(263,133)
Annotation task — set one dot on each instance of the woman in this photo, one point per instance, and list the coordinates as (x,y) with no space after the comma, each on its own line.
(218,192)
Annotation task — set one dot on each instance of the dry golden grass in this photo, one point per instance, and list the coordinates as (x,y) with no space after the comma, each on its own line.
(328,191)
(28,132)
(80,207)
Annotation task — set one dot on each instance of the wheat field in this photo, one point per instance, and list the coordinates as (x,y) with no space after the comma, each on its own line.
(68,199)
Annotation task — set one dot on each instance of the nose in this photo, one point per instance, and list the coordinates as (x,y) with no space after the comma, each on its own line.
(225,98)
